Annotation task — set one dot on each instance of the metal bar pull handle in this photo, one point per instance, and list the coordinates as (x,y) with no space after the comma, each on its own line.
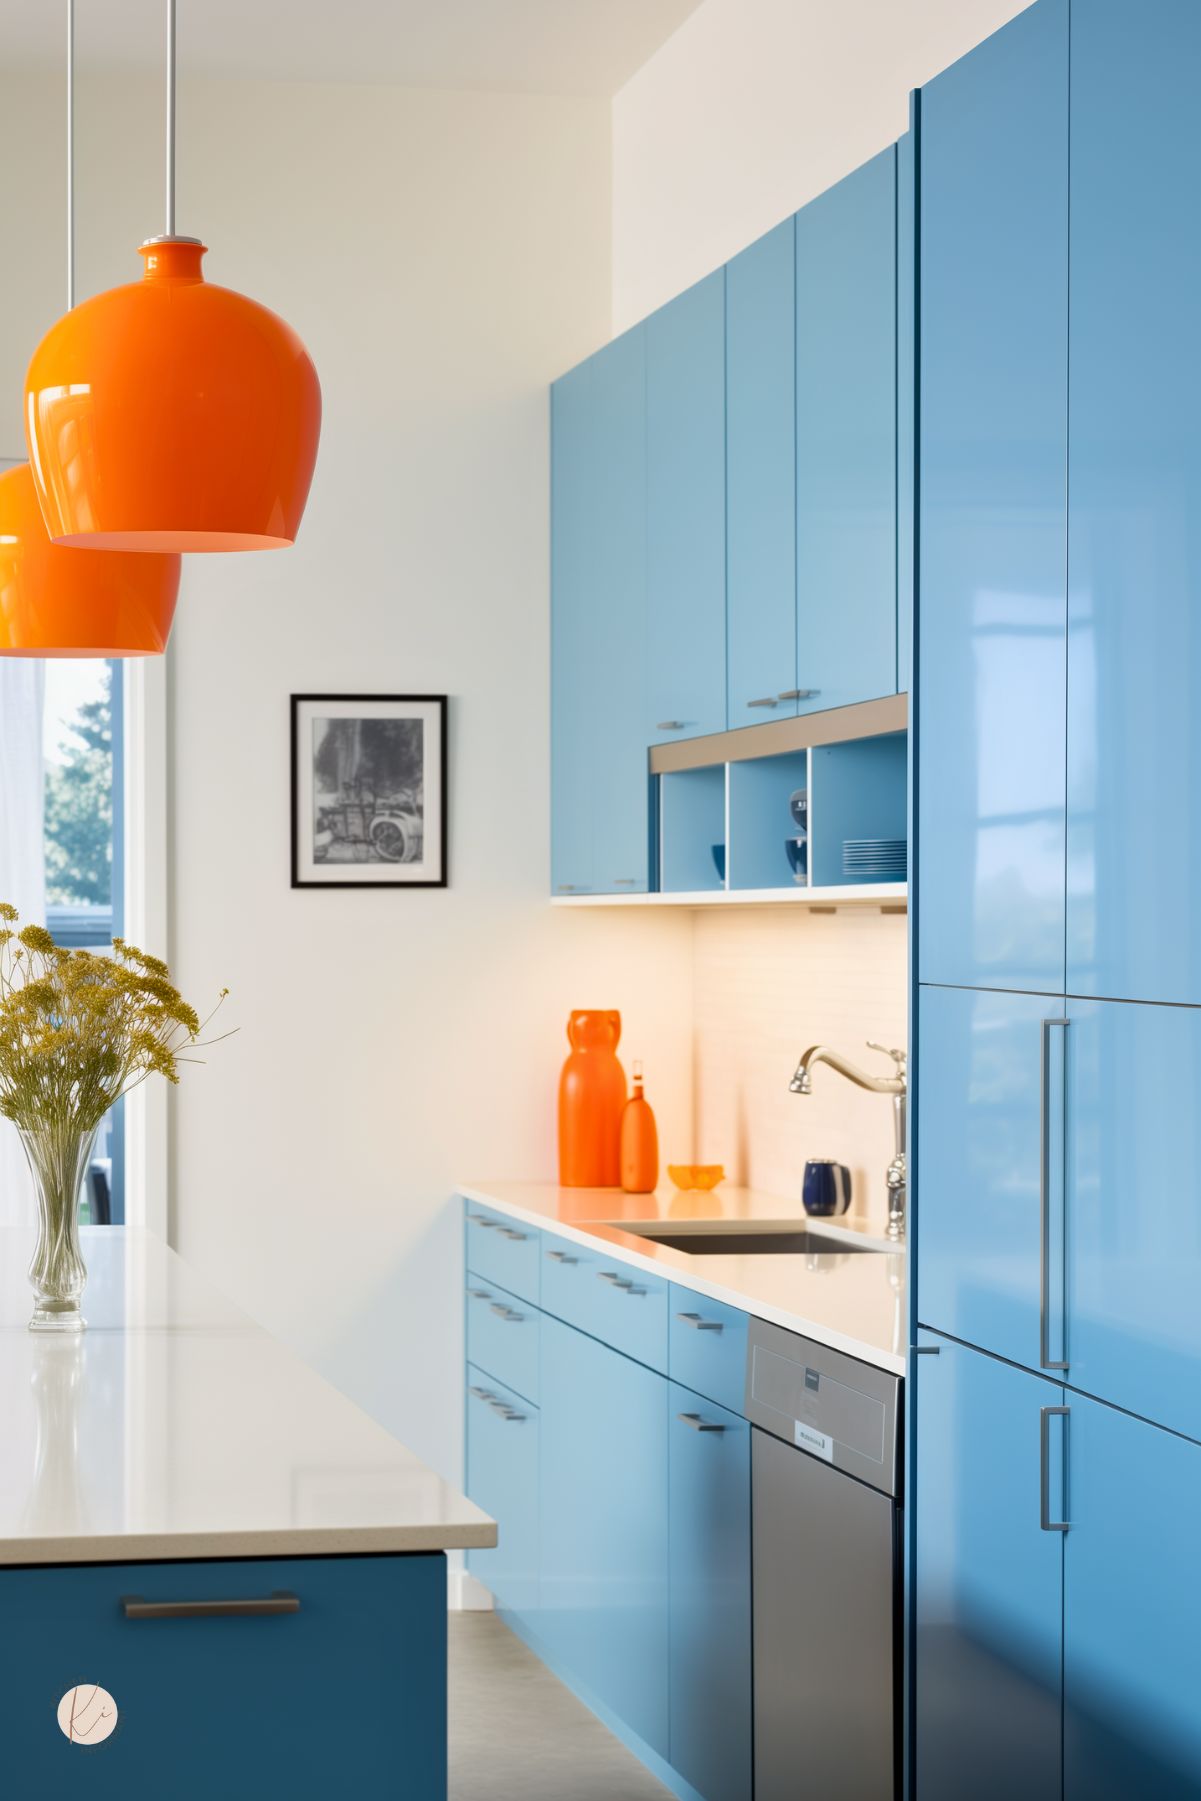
(511,1232)
(698,1322)
(611,1275)
(1044,1202)
(799,693)
(698,1424)
(769,700)
(670,725)
(477,1219)
(279,1601)
(561,1257)
(1044,1469)
(506,1313)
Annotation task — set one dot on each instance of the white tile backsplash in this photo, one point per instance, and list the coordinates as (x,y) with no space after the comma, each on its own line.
(767,984)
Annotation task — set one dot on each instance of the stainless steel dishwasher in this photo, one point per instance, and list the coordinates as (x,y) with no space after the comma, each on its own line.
(826,1558)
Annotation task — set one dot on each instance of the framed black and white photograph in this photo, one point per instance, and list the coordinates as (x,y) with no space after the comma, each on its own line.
(369,790)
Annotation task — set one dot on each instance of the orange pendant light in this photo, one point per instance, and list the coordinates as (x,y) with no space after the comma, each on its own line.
(170,414)
(72,603)
(75,603)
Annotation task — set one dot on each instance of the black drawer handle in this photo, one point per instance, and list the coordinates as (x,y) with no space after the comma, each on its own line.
(698,1424)
(280,1601)
(698,1323)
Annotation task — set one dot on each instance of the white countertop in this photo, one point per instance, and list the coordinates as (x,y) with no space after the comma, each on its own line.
(174,1427)
(853,1301)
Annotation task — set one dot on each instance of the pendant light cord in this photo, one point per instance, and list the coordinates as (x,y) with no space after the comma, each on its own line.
(70,154)
(170,230)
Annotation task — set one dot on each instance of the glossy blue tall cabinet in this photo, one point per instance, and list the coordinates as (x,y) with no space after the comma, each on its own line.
(1058,947)
(847,440)
(761,597)
(600,785)
(993,538)
(686,514)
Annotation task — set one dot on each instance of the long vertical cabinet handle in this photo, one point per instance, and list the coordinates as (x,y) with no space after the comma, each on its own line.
(1044,1207)
(1044,1469)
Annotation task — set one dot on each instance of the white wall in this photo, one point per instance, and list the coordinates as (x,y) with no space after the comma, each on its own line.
(750,109)
(443,256)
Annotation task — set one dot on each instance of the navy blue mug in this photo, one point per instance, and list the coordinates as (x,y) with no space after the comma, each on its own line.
(827,1187)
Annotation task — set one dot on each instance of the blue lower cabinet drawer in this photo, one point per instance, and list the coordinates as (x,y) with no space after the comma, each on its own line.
(231,1700)
(707,1347)
(630,1313)
(611,1300)
(503,1249)
(502,1478)
(502,1335)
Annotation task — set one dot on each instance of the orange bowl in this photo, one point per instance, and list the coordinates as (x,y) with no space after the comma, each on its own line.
(696,1175)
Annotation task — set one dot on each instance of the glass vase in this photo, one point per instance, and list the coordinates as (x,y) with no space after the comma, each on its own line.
(58,1158)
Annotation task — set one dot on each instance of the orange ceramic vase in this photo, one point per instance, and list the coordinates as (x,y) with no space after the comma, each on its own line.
(592,1093)
(639,1142)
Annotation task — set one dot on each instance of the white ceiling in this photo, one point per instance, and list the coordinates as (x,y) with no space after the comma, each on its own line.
(525,46)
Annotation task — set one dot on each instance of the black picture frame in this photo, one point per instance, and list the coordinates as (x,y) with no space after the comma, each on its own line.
(391,819)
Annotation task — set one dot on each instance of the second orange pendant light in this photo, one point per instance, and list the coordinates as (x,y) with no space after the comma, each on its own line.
(70,603)
(172,415)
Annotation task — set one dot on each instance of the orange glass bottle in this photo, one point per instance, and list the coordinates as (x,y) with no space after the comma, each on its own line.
(639,1142)
(592,1093)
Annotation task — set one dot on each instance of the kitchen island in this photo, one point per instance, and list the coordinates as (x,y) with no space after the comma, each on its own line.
(195,1523)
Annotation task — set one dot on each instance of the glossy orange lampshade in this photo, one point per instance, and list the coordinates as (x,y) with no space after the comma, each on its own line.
(75,603)
(172,415)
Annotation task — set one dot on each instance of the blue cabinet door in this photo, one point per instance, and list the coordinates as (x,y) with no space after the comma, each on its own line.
(603,1608)
(1132,1574)
(355,1680)
(1133,1217)
(987,1580)
(573,608)
(990,1186)
(993,544)
(761,479)
(1134,503)
(847,440)
(502,1478)
(710,1582)
(686,514)
(617,793)
(600,785)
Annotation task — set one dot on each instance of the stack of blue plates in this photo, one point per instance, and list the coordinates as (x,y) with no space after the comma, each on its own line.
(874,859)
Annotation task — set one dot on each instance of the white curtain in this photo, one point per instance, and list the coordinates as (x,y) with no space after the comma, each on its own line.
(22,867)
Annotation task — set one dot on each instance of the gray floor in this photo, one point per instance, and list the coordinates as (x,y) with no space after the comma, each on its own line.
(516,1734)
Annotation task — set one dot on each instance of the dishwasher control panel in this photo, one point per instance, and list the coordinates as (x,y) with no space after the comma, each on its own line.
(833,1407)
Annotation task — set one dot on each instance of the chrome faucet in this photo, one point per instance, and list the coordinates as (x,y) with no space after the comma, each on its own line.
(897,1085)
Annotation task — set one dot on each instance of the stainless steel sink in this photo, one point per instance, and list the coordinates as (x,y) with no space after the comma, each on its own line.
(751,1244)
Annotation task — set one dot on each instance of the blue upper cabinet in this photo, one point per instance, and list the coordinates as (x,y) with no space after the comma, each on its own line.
(761,478)
(1133,1222)
(987,1581)
(686,514)
(846,440)
(600,786)
(990,1101)
(573,608)
(993,543)
(1132,1573)
(1134,503)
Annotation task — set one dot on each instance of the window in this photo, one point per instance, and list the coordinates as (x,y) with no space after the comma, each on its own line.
(84,854)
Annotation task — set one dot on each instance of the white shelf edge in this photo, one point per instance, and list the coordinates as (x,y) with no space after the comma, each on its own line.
(852,894)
